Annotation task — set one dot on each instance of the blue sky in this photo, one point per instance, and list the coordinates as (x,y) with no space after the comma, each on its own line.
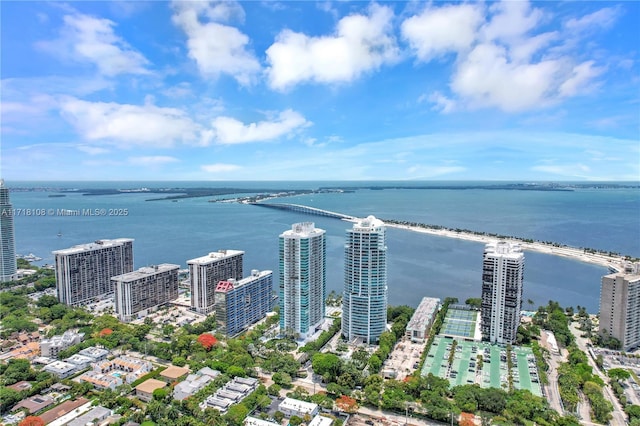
(320,90)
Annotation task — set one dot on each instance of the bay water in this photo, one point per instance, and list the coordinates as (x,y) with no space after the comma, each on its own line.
(418,264)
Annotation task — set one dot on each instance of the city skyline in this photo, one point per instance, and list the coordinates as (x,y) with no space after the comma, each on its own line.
(310,91)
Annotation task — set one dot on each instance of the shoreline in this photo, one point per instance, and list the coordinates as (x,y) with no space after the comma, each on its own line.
(610,262)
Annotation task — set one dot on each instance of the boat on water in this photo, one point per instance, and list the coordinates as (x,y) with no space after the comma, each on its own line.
(29,257)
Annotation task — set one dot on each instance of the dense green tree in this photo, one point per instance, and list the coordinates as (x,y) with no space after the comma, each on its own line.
(282,379)
(327,365)
(618,374)
(474,302)
(47,301)
(236,414)
(15,371)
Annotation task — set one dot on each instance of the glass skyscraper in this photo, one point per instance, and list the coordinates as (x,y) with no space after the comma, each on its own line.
(364,301)
(302,285)
(7,238)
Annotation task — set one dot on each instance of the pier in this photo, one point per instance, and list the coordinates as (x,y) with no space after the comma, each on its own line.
(298,208)
(613,263)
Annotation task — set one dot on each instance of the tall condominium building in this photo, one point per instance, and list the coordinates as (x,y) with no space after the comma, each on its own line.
(364,301)
(242,303)
(83,272)
(620,306)
(302,288)
(207,271)
(139,292)
(7,238)
(502,277)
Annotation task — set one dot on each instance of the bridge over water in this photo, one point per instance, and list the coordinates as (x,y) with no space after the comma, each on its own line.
(305,209)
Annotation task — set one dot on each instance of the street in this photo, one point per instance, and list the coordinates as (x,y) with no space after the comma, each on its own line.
(619,417)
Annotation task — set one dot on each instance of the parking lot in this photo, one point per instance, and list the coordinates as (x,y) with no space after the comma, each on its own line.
(491,372)
(404,359)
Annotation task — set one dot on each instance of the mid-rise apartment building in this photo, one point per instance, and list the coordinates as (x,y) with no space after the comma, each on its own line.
(83,272)
(139,292)
(620,306)
(302,283)
(364,300)
(207,271)
(502,283)
(242,303)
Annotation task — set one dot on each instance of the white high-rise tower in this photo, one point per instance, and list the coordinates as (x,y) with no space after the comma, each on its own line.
(364,301)
(302,286)
(502,278)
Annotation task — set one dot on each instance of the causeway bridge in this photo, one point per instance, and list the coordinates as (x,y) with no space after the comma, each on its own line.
(306,210)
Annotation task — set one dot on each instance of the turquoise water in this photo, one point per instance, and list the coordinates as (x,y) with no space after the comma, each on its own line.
(419,265)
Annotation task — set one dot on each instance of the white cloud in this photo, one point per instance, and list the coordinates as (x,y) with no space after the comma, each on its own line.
(216,48)
(511,20)
(442,103)
(603,18)
(565,170)
(228,130)
(86,39)
(125,124)
(219,168)
(581,76)
(430,33)
(501,61)
(487,78)
(361,43)
(153,160)
(92,150)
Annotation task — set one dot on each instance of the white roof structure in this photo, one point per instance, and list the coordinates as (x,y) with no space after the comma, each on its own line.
(97,245)
(254,421)
(424,313)
(214,257)
(290,404)
(319,420)
(146,271)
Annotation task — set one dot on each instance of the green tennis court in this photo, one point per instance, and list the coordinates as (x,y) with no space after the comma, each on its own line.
(460,323)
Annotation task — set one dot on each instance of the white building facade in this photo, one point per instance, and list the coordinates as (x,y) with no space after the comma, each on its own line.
(139,292)
(83,272)
(502,283)
(620,307)
(303,282)
(364,300)
(207,271)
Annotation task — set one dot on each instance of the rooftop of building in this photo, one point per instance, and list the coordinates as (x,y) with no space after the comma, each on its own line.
(230,284)
(146,271)
(298,405)
(214,257)
(174,372)
(254,421)
(96,245)
(62,409)
(148,386)
(370,223)
(303,230)
(34,403)
(20,386)
(98,412)
(424,312)
(504,248)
